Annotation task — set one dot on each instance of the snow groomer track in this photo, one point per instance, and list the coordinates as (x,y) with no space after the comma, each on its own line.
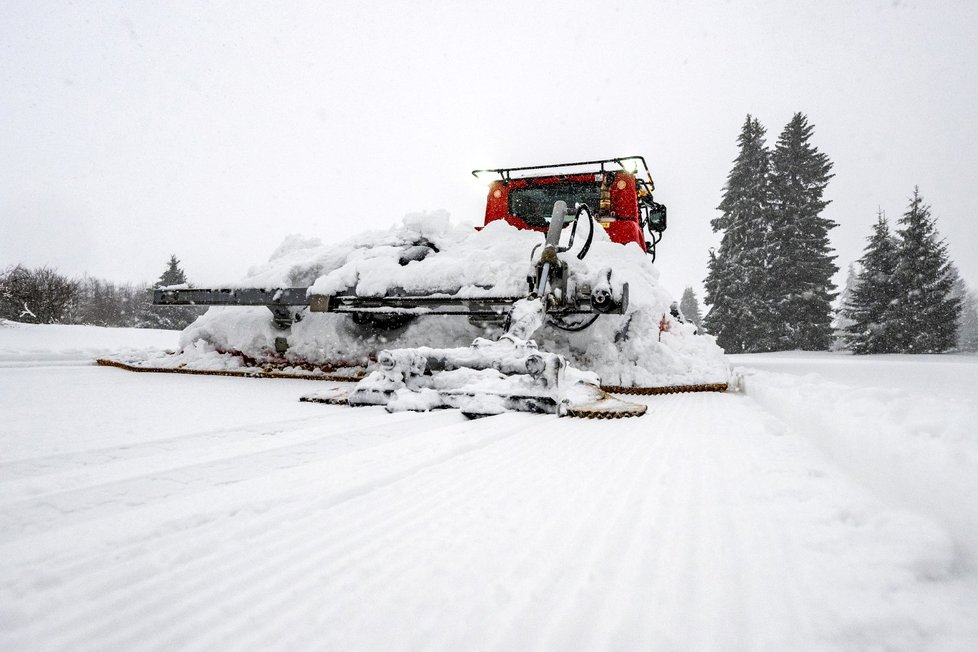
(158,511)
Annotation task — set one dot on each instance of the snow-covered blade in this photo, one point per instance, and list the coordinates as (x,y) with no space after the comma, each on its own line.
(489,377)
(486,378)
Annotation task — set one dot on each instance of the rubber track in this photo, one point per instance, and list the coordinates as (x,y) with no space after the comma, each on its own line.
(673,389)
(243,373)
(580,413)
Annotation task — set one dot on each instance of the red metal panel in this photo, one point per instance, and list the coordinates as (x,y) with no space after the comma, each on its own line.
(624,202)
(625,231)
(497,202)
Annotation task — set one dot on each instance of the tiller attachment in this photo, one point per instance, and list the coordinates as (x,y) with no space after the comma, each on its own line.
(491,377)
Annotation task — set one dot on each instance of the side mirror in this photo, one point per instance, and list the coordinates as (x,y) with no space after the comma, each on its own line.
(656,219)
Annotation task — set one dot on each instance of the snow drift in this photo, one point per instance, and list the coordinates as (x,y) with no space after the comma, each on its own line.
(916,451)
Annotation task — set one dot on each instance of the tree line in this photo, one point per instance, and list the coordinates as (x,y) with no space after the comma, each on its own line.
(902,296)
(769,284)
(41,295)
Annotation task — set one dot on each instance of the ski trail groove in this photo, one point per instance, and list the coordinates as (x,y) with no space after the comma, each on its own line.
(244,570)
(96,459)
(70,506)
(330,562)
(706,524)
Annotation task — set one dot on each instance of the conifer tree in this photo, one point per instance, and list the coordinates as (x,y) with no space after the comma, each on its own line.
(690,306)
(739,313)
(800,264)
(841,321)
(968,323)
(173,275)
(169,317)
(868,308)
(959,291)
(925,311)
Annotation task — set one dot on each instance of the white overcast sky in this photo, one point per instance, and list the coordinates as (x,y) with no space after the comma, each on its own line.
(130,130)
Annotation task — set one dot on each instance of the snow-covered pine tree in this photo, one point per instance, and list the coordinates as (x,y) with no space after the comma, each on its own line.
(958,288)
(800,262)
(968,324)
(173,275)
(868,306)
(967,337)
(169,317)
(739,313)
(689,305)
(840,321)
(925,311)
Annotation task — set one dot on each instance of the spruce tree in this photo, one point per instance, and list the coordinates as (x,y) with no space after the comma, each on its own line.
(868,308)
(168,317)
(800,264)
(173,275)
(739,313)
(841,321)
(959,291)
(925,311)
(967,338)
(690,306)
(968,323)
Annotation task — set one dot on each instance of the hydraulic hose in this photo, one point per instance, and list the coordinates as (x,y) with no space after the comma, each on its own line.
(583,208)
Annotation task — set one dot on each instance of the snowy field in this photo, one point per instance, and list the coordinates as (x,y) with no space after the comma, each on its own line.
(830,506)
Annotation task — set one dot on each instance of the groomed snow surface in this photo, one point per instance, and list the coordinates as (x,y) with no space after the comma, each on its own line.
(829,507)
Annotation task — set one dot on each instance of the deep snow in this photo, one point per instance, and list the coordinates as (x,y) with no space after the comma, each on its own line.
(144,511)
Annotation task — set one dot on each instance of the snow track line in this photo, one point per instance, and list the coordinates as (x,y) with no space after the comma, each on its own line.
(175,530)
(620,553)
(71,506)
(332,562)
(60,462)
(341,494)
(285,560)
(40,363)
(29,474)
(573,447)
(594,523)
(512,458)
(287,557)
(707,525)
(519,458)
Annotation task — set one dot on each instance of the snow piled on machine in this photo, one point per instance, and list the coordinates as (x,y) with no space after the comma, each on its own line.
(428,255)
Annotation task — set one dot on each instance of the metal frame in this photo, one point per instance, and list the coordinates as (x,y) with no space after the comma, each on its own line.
(283,302)
(231,297)
(505,173)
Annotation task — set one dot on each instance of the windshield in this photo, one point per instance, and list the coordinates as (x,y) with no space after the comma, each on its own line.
(535,204)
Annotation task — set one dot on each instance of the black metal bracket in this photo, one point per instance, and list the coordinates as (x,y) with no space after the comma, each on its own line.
(285,303)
